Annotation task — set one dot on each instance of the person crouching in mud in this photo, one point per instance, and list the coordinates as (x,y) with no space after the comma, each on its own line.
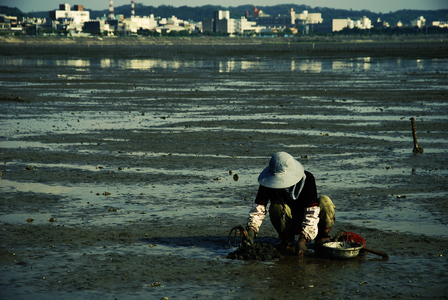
(295,208)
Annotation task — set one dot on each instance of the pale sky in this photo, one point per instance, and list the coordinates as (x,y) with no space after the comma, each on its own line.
(383,6)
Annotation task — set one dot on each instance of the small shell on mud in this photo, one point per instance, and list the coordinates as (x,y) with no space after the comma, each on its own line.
(112,209)
(230,172)
(29,220)
(52,220)
(106,193)
(29,168)
(217,178)
(236,177)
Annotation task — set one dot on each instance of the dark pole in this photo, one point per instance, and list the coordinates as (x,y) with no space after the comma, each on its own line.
(416,149)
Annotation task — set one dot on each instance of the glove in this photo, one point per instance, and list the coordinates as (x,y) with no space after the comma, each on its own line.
(250,236)
(301,246)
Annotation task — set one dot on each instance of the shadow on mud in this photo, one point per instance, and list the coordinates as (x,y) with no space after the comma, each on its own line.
(217,247)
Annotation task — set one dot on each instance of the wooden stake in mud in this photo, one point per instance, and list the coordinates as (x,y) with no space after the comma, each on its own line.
(417,149)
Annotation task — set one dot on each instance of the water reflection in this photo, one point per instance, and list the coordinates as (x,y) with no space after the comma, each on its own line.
(420,64)
(233,64)
(340,65)
(366,63)
(227,66)
(73,63)
(309,65)
(106,63)
(362,63)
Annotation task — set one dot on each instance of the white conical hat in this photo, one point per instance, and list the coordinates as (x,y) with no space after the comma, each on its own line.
(283,171)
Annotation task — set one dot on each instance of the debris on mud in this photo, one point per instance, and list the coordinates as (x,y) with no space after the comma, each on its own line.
(155,284)
(261,252)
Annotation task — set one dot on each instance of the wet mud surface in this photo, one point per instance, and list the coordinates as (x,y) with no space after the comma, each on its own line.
(134,159)
(256,252)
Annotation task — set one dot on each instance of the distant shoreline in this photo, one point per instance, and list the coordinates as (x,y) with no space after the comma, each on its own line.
(95,45)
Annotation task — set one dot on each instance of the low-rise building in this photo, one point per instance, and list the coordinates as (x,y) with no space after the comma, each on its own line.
(168,28)
(363,23)
(339,24)
(244,26)
(306,18)
(279,21)
(419,22)
(144,22)
(291,20)
(115,24)
(98,26)
(5,23)
(259,22)
(441,24)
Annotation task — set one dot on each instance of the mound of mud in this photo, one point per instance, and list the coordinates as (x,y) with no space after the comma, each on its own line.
(261,252)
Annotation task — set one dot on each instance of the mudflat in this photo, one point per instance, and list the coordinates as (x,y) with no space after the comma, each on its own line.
(118,170)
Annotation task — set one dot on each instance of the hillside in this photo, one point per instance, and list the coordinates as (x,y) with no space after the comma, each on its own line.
(206,12)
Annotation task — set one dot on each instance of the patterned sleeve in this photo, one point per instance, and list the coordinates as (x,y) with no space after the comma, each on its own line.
(310,221)
(256,216)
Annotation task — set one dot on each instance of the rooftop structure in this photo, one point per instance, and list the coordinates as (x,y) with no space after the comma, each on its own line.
(257,13)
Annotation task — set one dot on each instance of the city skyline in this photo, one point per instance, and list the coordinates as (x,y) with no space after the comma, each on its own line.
(378,6)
